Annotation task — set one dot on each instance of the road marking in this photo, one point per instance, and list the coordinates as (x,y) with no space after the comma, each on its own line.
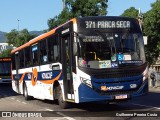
(146,106)
(24,102)
(18,100)
(13,98)
(48,109)
(65,116)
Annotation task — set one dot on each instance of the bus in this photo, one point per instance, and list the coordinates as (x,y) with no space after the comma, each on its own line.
(86,59)
(5,70)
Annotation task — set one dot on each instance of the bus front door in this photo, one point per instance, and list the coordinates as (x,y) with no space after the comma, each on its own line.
(17,78)
(66,58)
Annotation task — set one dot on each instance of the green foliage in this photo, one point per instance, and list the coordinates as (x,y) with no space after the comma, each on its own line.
(6,53)
(61,18)
(17,38)
(131,12)
(152,30)
(82,8)
(151,25)
(79,8)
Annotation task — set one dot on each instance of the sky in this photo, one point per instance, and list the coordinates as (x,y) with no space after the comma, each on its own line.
(34,14)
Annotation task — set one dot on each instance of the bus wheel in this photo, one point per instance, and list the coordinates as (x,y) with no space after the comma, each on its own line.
(63,104)
(25,92)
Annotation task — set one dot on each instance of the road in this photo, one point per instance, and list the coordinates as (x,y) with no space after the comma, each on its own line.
(145,107)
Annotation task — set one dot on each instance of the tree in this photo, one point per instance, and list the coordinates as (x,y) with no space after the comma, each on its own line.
(79,8)
(131,12)
(152,30)
(6,53)
(82,8)
(17,38)
(61,18)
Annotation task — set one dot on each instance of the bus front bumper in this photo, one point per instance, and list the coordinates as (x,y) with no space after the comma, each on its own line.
(87,94)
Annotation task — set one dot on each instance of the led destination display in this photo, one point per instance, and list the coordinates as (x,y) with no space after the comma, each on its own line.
(107,24)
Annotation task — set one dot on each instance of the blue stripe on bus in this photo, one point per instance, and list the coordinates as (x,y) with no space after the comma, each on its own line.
(28,75)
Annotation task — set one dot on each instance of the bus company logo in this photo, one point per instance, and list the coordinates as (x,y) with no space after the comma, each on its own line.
(47,75)
(104,88)
(34,76)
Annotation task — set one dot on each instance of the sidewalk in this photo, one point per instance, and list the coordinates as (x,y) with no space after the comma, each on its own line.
(154,89)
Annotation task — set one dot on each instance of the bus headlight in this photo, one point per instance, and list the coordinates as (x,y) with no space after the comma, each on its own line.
(145,74)
(86,81)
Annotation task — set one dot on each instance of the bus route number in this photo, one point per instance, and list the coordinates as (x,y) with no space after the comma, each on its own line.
(90,24)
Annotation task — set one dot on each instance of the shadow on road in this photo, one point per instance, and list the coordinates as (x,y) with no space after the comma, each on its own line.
(150,100)
(6,90)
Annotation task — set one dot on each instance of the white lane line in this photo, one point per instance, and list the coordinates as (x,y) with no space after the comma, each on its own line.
(146,106)
(18,100)
(24,102)
(65,116)
(48,109)
(13,98)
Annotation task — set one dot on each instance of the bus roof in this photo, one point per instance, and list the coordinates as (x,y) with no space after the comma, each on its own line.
(40,37)
(108,17)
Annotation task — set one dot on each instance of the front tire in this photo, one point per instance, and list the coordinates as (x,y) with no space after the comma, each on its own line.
(63,104)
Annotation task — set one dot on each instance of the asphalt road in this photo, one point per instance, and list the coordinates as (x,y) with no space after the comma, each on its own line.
(145,107)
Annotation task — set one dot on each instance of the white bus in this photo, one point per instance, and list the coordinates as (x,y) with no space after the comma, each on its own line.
(85,59)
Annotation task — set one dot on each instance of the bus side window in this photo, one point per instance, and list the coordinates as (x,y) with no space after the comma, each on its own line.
(21,53)
(27,55)
(13,61)
(43,52)
(53,48)
(35,54)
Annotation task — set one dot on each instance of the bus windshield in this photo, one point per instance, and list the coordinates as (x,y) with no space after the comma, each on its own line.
(5,68)
(99,50)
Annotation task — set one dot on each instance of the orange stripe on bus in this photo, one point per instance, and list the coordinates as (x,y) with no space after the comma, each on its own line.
(51,81)
(34,76)
(12,77)
(22,78)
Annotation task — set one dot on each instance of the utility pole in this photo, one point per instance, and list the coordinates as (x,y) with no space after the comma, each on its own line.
(18,24)
(140,18)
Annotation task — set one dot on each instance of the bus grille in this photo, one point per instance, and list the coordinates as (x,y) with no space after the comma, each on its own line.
(115,75)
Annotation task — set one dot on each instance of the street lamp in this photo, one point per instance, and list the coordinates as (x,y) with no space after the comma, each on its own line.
(18,24)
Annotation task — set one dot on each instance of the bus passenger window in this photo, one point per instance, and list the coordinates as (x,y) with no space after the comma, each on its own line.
(43,52)
(21,53)
(53,48)
(13,62)
(35,54)
(27,55)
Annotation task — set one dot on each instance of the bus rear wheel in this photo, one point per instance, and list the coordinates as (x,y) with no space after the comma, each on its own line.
(25,92)
(63,104)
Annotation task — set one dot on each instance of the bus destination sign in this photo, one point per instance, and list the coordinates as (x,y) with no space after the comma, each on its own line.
(107,24)
(5,59)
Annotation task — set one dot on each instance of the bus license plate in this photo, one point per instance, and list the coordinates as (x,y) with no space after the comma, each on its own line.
(120,96)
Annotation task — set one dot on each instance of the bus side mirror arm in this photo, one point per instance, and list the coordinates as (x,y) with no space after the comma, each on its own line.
(75,50)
